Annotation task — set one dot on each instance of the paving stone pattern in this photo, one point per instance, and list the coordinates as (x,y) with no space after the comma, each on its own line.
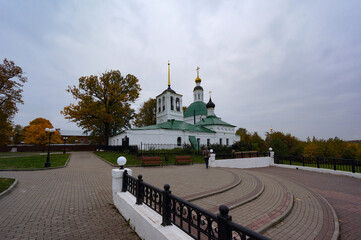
(342,192)
(74,202)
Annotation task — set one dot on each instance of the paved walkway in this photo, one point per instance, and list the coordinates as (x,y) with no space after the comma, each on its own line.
(343,193)
(74,202)
(310,217)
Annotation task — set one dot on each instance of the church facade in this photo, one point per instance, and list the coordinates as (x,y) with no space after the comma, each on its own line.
(197,126)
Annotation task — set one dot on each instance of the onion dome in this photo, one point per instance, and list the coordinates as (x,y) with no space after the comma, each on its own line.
(210,104)
(197,88)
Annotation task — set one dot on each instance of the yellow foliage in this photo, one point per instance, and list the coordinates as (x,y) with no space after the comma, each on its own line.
(35,133)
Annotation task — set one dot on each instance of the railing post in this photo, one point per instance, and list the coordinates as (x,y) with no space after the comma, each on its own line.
(166,214)
(353,165)
(303,161)
(334,164)
(139,192)
(125,181)
(223,220)
(318,162)
(291,160)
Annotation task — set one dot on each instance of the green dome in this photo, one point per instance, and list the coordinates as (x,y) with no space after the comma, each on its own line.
(199,107)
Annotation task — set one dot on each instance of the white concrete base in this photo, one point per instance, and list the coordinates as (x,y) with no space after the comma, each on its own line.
(242,162)
(146,222)
(320,170)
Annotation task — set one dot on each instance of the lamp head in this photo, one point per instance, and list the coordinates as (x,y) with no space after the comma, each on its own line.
(121,162)
(270,149)
(211,150)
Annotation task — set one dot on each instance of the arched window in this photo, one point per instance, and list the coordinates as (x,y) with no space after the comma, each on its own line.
(159,105)
(177,104)
(171,104)
(179,141)
(163,103)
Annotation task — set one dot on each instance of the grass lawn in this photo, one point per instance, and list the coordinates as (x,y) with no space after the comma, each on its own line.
(5,183)
(132,160)
(31,162)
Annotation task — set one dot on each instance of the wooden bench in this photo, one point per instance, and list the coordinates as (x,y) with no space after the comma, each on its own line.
(151,161)
(183,159)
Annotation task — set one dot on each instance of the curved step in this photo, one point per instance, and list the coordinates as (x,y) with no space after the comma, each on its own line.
(190,181)
(312,217)
(274,204)
(250,188)
(199,195)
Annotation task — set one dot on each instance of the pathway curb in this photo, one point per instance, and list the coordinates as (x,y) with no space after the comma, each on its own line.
(9,190)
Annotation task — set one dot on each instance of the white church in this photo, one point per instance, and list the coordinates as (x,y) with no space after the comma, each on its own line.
(197,126)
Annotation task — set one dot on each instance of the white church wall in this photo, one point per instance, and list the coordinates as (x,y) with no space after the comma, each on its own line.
(163,136)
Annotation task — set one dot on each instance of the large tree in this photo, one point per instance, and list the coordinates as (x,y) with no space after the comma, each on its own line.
(147,114)
(103,103)
(11,83)
(35,133)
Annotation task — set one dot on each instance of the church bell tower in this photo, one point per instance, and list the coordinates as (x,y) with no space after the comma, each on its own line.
(169,104)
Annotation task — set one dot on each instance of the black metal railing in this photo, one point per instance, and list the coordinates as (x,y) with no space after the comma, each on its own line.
(249,154)
(349,165)
(192,219)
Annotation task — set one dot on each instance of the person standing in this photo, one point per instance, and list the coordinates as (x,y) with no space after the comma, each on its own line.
(206,154)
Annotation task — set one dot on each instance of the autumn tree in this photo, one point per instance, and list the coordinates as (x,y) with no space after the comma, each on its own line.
(11,83)
(18,135)
(103,103)
(35,132)
(147,114)
(250,141)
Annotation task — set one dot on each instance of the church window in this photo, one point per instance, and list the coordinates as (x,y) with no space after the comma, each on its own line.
(179,141)
(177,104)
(220,141)
(163,103)
(171,104)
(159,105)
(208,142)
(199,142)
(227,141)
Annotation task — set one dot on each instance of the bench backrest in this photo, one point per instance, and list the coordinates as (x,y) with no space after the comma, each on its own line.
(183,157)
(153,158)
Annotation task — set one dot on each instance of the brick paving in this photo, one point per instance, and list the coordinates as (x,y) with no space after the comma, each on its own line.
(75,202)
(68,203)
(342,192)
(309,217)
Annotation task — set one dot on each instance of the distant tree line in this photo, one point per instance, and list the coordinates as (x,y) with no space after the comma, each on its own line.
(286,144)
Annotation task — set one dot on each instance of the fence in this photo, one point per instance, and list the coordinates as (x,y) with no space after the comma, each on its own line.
(195,221)
(349,165)
(249,154)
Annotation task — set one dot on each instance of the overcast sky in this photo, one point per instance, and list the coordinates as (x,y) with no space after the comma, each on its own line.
(294,66)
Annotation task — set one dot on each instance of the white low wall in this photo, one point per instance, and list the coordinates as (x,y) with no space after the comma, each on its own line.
(320,170)
(241,162)
(145,221)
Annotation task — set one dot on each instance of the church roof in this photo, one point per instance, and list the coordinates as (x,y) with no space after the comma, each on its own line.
(199,108)
(176,125)
(212,120)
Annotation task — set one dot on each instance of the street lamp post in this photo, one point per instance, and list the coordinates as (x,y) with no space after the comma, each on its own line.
(64,138)
(50,131)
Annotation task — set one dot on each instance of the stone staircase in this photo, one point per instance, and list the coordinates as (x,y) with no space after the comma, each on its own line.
(268,204)
(277,208)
